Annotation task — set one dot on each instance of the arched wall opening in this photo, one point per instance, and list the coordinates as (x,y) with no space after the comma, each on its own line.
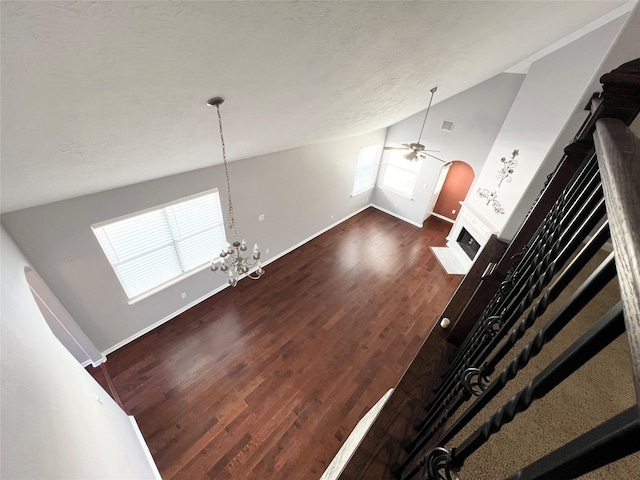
(454,190)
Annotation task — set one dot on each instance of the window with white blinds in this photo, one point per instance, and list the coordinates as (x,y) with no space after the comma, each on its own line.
(367,170)
(154,248)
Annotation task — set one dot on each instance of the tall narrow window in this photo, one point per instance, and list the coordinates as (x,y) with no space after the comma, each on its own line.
(154,248)
(367,171)
(400,175)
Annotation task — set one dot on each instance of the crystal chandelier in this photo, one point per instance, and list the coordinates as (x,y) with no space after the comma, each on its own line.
(234,261)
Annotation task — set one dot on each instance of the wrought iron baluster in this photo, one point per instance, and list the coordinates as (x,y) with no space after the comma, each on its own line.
(576,207)
(596,281)
(578,263)
(592,207)
(541,261)
(619,99)
(585,181)
(607,329)
(567,276)
(610,441)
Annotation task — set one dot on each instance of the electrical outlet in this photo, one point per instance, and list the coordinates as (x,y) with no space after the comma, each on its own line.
(331,217)
(453,211)
(184,294)
(266,251)
(395,205)
(260,218)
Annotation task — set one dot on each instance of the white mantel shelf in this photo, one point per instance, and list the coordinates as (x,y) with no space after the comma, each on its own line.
(452,258)
(481,216)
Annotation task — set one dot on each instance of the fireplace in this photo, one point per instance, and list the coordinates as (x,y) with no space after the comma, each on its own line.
(469,245)
(470,232)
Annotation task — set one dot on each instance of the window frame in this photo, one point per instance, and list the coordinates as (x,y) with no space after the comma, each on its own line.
(173,243)
(361,167)
(415,173)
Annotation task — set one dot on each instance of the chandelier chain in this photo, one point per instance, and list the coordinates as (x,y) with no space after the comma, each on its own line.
(230,217)
(234,261)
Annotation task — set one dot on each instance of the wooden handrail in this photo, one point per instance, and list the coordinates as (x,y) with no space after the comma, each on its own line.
(619,160)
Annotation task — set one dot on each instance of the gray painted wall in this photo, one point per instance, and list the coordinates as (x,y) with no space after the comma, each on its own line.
(551,91)
(297,190)
(625,47)
(478,112)
(53,425)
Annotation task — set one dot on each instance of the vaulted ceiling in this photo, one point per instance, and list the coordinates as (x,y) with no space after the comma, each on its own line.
(97,95)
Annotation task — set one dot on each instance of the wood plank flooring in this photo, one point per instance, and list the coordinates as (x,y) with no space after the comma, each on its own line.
(266,380)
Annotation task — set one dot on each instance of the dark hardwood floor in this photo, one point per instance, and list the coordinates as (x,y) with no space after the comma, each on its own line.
(266,380)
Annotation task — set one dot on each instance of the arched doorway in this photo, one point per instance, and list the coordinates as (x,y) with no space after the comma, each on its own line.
(456,184)
(63,326)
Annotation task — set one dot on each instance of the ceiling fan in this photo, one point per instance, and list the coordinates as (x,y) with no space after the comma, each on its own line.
(417,151)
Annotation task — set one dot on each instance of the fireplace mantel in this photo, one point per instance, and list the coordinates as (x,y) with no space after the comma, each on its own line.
(453,257)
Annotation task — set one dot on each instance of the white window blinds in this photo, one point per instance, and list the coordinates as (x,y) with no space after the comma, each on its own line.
(367,170)
(150,249)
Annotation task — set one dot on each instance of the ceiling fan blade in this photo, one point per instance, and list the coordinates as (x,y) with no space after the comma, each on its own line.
(395,148)
(433,156)
(407,145)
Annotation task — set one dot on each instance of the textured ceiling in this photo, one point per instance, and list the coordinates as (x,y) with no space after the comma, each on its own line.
(97,95)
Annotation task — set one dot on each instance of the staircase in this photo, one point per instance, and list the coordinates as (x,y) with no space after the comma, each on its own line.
(471,384)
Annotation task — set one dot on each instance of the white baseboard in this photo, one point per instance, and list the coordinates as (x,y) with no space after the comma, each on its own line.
(299,244)
(165,319)
(442,217)
(95,364)
(393,214)
(145,448)
(99,362)
(219,289)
